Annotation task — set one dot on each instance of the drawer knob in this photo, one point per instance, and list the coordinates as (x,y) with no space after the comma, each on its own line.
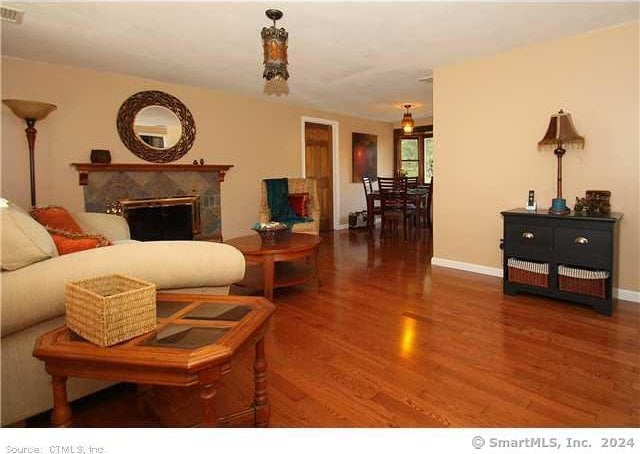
(581,240)
(528,235)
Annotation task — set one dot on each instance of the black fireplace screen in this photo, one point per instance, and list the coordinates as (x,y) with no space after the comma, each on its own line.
(162,219)
(156,223)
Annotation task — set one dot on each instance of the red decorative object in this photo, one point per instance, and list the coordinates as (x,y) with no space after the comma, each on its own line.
(300,204)
(57,218)
(67,235)
(67,242)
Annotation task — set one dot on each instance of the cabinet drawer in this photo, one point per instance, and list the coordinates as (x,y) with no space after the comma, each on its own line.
(592,248)
(528,240)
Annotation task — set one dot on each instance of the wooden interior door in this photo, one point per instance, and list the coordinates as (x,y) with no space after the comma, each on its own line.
(319,165)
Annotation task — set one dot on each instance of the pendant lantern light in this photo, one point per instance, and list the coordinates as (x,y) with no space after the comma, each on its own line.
(407,120)
(275,48)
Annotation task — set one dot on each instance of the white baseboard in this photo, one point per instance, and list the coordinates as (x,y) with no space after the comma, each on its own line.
(480,269)
(619,293)
(626,295)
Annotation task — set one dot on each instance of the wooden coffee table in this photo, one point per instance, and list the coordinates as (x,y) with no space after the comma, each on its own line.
(196,339)
(284,263)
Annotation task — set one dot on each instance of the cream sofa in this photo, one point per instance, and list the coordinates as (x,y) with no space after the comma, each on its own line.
(296,186)
(33,299)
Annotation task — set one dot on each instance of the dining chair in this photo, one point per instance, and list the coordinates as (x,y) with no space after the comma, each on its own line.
(412,182)
(395,204)
(373,209)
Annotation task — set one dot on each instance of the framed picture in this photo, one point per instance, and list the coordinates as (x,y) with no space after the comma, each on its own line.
(365,156)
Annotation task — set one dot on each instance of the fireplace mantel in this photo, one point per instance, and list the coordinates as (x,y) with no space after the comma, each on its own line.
(85,168)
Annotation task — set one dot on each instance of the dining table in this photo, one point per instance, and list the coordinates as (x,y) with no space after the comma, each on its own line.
(420,194)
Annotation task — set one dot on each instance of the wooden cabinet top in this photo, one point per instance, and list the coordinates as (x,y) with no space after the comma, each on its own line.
(543,213)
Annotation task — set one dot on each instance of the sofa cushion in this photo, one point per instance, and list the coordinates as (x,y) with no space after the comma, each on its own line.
(24,240)
(68,243)
(110,226)
(300,202)
(56,218)
(66,233)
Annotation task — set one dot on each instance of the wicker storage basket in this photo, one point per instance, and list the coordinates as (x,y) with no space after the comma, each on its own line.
(530,273)
(584,282)
(107,310)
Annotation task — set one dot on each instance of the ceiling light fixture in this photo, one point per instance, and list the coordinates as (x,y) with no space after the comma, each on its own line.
(275,48)
(407,120)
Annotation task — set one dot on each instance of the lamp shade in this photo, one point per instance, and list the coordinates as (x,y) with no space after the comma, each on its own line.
(561,130)
(32,110)
(407,120)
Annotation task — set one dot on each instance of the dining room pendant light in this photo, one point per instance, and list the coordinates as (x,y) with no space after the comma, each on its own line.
(274,41)
(407,120)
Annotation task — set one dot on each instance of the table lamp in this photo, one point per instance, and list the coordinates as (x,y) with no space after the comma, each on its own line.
(560,132)
(30,112)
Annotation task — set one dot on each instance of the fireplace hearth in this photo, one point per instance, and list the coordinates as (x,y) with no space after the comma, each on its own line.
(167,218)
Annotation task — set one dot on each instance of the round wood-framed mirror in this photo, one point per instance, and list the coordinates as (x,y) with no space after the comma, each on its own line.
(156,126)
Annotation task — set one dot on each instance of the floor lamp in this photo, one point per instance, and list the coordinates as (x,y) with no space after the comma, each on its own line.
(30,112)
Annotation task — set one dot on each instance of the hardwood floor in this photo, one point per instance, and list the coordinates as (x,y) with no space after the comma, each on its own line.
(385,340)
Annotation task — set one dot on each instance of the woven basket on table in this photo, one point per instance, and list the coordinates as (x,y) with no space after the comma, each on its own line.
(530,273)
(584,282)
(273,236)
(107,310)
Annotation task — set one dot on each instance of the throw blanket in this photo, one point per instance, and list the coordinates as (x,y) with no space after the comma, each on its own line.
(278,201)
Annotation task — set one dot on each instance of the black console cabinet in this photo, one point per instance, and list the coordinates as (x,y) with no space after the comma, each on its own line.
(575,240)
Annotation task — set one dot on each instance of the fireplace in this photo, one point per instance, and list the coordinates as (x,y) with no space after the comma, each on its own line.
(167,218)
(104,185)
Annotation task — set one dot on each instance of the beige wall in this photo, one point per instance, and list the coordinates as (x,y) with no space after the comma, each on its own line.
(260,137)
(491,112)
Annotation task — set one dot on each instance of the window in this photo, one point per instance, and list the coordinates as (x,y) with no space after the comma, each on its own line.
(428,159)
(414,153)
(410,161)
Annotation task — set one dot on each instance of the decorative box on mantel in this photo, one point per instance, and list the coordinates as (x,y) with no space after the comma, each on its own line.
(105,184)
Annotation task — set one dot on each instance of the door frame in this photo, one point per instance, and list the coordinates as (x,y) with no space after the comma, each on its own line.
(335,131)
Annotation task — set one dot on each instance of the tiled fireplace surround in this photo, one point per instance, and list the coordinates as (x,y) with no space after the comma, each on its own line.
(108,186)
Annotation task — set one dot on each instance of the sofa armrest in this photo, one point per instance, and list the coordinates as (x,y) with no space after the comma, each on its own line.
(36,292)
(115,228)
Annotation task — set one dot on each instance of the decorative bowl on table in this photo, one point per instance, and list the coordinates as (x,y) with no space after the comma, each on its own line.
(272,232)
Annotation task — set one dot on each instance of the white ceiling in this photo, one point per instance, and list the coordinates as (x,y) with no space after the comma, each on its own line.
(362,59)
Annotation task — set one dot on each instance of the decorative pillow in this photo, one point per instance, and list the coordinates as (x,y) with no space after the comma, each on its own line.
(299,202)
(68,242)
(24,241)
(57,218)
